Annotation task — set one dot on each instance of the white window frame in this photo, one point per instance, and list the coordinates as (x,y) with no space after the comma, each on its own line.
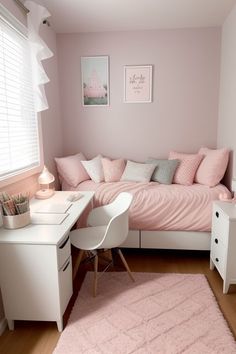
(24,173)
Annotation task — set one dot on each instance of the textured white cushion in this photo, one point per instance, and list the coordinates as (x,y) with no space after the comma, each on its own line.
(94,169)
(138,172)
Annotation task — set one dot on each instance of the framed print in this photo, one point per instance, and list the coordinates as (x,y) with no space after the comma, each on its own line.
(138,84)
(95,81)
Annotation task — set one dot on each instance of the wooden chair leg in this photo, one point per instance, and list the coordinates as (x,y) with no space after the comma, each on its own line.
(77,263)
(125,264)
(109,253)
(95,275)
(113,256)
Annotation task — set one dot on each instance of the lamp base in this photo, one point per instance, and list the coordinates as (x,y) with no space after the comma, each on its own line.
(44,193)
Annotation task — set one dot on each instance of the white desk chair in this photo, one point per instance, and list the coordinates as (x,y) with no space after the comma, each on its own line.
(109,226)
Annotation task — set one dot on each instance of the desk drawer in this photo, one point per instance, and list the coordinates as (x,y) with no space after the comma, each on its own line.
(65,284)
(63,251)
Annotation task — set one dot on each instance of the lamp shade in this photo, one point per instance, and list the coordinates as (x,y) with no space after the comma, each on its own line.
(45,177)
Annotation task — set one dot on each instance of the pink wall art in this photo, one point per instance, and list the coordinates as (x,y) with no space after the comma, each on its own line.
(95,81)
(138,84)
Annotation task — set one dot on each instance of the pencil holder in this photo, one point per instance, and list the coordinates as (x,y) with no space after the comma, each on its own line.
(16,221)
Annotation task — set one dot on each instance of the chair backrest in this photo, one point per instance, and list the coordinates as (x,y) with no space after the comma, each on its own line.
(118,227)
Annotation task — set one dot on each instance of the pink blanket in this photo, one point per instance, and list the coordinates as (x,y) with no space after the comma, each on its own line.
(162,207)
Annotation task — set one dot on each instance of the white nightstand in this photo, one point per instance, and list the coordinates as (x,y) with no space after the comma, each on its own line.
(223,242)
(35,265)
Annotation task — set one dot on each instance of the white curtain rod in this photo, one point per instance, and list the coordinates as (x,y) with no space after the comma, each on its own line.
(21,5)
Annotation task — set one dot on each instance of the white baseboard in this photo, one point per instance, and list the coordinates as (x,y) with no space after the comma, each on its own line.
(3,325)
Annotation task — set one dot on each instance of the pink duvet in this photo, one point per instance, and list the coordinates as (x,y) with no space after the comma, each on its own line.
(161,207)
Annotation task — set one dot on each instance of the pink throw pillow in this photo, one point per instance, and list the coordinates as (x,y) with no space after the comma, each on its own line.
(113,170)
(187,168)
(213,166)
(71,169)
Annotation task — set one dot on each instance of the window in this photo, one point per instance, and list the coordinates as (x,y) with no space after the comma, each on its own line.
(19,136)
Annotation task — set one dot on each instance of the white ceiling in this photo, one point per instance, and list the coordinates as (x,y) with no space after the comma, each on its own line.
(71,16)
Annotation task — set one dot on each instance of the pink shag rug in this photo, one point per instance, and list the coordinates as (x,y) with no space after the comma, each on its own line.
(159,313)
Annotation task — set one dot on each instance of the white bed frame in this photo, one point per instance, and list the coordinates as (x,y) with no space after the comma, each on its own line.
(176,240)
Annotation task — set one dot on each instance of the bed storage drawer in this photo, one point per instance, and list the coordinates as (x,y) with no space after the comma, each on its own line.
(133,239)
(182,240)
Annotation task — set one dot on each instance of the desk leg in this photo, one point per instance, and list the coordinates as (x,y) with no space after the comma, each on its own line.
(10,325)
(60,325)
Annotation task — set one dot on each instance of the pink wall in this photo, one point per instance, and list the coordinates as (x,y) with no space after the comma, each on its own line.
(183,114)
(227,106)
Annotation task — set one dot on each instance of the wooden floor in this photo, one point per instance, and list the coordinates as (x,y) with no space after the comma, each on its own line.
(41,337)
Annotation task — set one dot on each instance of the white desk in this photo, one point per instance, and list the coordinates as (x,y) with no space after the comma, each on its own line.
(36,267)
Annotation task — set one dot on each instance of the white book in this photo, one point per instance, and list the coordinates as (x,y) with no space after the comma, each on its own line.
(47,219)
(53,208)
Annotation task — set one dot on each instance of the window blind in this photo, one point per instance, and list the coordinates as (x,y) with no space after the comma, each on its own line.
(19,139)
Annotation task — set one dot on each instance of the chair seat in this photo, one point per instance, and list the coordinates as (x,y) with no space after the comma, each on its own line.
(88,238)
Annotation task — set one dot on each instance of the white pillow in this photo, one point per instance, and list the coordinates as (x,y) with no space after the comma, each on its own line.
(138,172)
(94,169)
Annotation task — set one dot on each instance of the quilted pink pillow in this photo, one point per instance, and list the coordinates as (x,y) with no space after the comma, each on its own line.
(187,168)
(113,170)
(213,166)
(71,169)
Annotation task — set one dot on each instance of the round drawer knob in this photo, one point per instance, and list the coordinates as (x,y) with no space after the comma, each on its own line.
(217,214)
(216,240)
(217,259)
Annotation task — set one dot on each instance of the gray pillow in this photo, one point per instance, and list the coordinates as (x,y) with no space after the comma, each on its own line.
(164,171)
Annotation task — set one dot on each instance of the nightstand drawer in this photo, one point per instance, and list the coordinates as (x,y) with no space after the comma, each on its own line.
(220,226)
(218,256)
(63,251)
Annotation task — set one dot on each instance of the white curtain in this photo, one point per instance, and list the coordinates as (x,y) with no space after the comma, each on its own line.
(39,51)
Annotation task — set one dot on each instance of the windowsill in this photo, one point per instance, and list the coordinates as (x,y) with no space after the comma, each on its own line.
(20,176)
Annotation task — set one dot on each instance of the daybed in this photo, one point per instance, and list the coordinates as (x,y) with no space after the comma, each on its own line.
(172,214)
(162,216)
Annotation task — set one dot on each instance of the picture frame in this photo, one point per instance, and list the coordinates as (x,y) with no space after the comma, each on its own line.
(95,81)
(138,83)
